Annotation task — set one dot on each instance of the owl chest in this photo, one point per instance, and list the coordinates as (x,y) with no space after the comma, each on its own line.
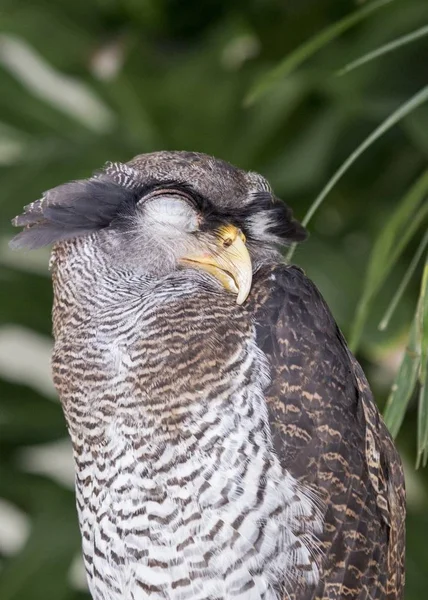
(181,522)
(212,515)
(180,494)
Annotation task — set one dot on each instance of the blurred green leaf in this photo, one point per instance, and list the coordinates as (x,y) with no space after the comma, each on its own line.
(302,53)
(398,115)
(416,126)
(416,532)
(422,456)
(40,570)
(26,292)
(422,325)
(30,576)
(315,142)
(385,49)
(404,283)
(395,235)
(413,367)
(404,383)
(27,417)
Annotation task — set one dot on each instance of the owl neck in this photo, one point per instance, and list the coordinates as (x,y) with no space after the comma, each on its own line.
(122,336)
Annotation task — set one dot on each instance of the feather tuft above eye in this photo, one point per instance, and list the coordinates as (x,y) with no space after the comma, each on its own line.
(268,220)
(70,210)
(183,204)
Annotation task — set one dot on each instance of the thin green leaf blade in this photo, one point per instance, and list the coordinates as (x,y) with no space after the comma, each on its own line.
(423,325)
(404,384)
(388,248)
(401,112)
(422,334)
(422,451)
(303,52)
(404,283)
(410,369)
(385,49)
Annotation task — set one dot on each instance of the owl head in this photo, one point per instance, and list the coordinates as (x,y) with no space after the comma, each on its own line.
(165,211)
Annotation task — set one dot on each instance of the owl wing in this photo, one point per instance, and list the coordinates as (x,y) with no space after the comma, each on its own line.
(328,433)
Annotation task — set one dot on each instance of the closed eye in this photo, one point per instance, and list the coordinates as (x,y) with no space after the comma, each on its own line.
(170,208)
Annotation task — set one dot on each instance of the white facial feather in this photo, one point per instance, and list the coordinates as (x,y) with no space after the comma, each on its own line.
(170,212)
(259,225)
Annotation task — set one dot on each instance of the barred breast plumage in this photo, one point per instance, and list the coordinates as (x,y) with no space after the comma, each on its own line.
(179,492)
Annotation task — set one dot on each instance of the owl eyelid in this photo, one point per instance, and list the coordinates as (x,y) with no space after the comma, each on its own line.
(169,193)
(170,208)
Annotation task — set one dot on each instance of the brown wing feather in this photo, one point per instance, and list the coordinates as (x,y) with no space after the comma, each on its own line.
(328,432)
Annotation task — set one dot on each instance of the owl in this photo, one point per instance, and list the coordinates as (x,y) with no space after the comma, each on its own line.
(226,443)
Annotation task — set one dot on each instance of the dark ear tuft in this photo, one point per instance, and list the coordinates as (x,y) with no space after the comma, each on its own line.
(285,225)
(71,210)
(269,220)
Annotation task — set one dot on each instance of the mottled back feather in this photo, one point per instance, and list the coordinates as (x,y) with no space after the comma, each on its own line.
(328,432)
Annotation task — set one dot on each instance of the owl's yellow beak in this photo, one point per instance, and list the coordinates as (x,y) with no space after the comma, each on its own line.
(230,263)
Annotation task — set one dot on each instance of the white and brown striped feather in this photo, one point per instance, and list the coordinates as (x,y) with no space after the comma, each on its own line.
(179,491)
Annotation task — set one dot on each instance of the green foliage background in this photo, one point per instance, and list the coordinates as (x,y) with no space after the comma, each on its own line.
(86,82)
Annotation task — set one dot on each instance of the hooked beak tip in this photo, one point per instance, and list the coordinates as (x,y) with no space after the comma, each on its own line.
(231,263)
